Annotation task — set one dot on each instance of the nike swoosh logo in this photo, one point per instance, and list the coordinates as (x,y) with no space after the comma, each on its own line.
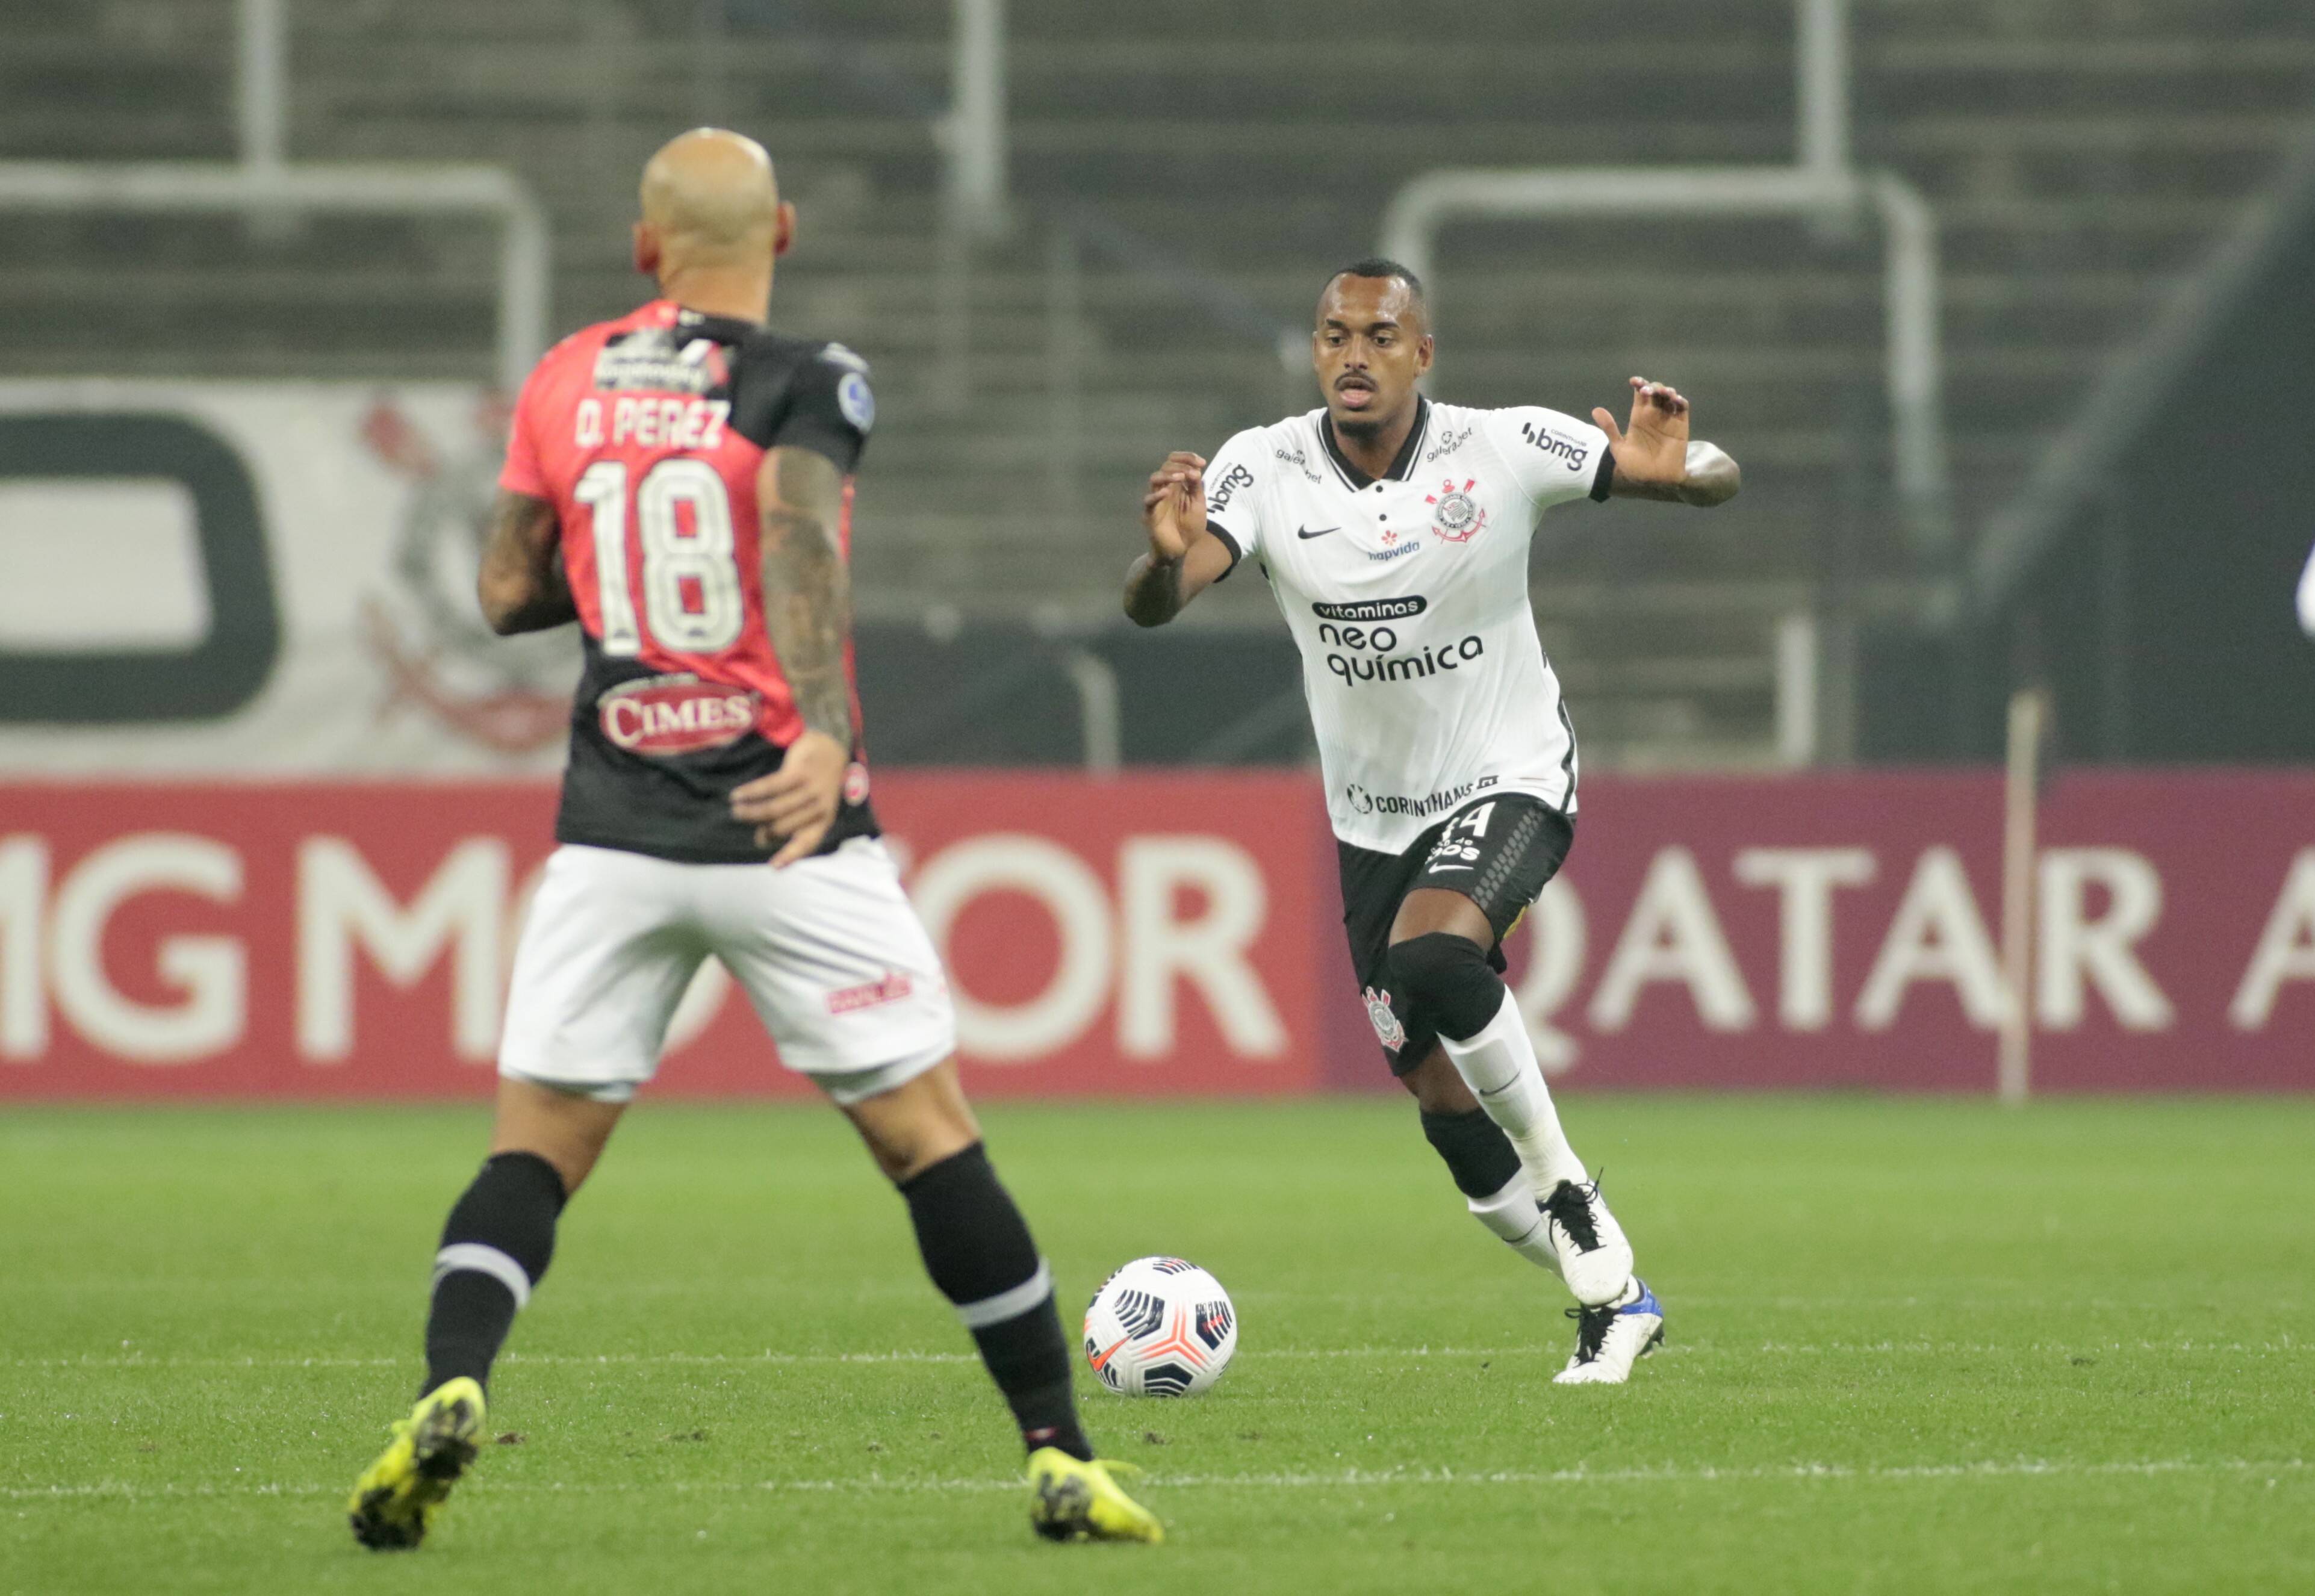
(1305,533)
(1101,1360)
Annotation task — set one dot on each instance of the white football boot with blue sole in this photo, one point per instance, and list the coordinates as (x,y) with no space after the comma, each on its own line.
(1611,1338)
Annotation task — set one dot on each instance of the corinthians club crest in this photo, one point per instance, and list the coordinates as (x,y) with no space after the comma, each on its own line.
(509,695)
(1387,1027)
(1455,516)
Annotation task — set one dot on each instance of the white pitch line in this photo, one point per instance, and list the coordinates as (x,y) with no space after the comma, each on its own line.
(579,1359)
(1692,1349)
(1346,1479)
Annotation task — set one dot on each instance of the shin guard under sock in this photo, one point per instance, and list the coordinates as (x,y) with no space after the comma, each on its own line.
(978,1252)
(1498,1064)
(495,1248)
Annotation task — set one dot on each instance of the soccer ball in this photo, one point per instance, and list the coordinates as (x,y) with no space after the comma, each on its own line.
(1161,1327)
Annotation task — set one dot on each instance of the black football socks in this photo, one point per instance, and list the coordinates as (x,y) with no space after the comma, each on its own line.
(495,1248)
(978,1249)
(1476,1150)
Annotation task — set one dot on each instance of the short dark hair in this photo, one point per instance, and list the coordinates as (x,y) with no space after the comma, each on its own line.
(1377,266)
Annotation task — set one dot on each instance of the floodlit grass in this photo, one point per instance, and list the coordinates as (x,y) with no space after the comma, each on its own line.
(1914,1345)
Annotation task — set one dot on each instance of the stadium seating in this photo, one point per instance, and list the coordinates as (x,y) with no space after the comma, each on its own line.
(1244,150)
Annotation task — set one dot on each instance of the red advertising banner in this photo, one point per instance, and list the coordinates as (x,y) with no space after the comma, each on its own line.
(1175,934)
(1844,930)
(1145,935)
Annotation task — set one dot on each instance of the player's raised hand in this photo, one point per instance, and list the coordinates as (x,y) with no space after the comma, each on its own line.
(1173,510)
(1655,447)
(797,801)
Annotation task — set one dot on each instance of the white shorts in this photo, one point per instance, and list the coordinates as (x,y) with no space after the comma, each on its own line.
(828,950)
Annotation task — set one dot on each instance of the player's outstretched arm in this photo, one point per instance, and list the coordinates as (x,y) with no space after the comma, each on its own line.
(522,586)
(1184,559)
(1656,459)
(808,616)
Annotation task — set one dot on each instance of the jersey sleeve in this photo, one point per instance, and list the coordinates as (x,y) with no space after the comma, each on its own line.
(522,472)
(1235,479)
(826,406)
(1554,458)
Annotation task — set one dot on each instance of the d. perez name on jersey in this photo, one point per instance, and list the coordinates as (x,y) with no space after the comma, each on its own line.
(650,422)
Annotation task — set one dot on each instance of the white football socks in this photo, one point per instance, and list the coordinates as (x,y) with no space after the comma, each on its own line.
(1512,1215)
(1498,1064)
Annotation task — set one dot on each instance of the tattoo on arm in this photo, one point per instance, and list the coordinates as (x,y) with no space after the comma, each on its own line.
(1153,590)
(522,585)
(807,589)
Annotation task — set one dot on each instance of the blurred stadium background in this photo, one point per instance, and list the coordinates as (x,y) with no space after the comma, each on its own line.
(1973,747)
(2004,307)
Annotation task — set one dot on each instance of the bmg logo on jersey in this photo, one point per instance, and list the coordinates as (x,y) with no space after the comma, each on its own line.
(1557,445)
(1220,493)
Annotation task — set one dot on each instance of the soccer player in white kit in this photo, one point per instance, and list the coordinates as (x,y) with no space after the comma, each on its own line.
(1394,534)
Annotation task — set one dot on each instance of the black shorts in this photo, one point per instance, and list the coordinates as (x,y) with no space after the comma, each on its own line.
(1497,852)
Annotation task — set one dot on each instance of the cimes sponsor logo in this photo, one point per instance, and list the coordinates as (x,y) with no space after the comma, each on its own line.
(661,715)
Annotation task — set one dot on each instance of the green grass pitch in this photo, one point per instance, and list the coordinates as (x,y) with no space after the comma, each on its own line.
(1915,1345)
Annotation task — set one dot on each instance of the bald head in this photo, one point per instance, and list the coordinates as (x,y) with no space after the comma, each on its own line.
(710,204)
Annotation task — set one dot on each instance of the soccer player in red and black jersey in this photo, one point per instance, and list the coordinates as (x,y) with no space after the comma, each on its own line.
(678,481)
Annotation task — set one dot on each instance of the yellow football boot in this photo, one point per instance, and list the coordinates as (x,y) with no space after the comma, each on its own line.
(1073,1501)
(398,1496)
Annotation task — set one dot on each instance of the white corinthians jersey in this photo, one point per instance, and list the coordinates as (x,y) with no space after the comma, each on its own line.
(1408,600)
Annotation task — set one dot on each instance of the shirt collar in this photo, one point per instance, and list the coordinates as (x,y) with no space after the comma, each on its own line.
(1402,465)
